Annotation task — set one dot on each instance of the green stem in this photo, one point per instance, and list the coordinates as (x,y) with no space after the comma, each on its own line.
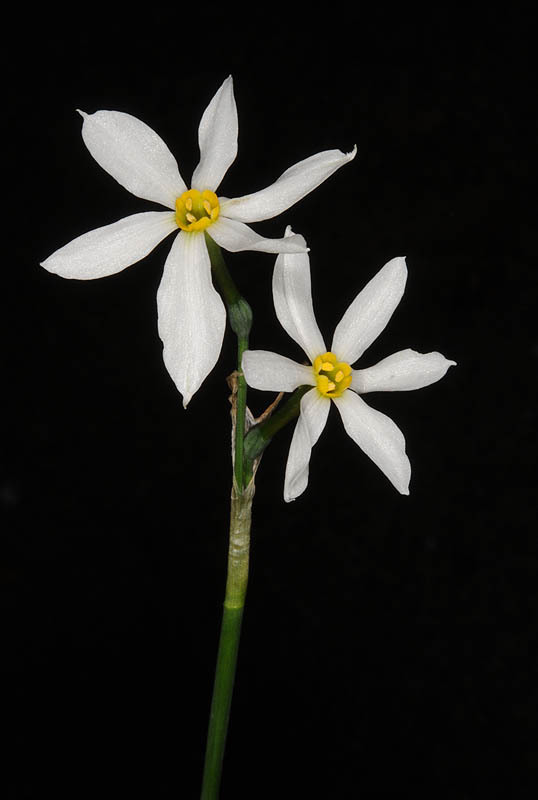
(240,317)
(236,587)
(230,632)
(241,407)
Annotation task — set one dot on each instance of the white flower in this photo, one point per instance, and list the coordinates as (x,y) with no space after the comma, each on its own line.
(191,313)
(331,374)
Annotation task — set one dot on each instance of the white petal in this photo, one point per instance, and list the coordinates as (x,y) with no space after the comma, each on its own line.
(378,436)
(274,373)
(236,236)
(192,316)
(401,372)
(292,185)
(370,311)
(134,154)
(292,297)
(217,137)
(312,420)
(107,250)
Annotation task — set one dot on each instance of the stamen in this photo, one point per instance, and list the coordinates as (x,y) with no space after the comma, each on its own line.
(196,210)
(332,376)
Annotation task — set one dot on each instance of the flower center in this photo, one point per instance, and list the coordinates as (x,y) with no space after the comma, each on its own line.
(332,376)
(195,210)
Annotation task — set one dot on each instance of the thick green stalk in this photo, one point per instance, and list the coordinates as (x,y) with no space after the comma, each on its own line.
(240,317)
(236,587)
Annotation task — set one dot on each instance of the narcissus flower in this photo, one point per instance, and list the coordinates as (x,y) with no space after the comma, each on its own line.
(331,375)
(191,315)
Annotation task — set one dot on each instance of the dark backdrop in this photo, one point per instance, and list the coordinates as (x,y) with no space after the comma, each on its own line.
(388,642)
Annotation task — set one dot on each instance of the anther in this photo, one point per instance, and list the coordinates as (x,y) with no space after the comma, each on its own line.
(332,377)
(196,210)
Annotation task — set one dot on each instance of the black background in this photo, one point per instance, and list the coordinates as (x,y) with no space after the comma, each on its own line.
(389,643)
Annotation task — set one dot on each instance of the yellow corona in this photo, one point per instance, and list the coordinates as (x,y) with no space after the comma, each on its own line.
(333,377)
(196,211)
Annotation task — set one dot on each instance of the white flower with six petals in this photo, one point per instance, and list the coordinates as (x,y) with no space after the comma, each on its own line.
(331,373)
(191,314)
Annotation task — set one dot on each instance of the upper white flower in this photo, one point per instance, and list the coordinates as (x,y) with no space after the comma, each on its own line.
(191,315)
(331,374)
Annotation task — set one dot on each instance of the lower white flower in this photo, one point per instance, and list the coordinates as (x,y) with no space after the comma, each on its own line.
(192,316)
(331,374)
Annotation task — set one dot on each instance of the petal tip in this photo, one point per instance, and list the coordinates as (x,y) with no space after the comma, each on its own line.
(402,485)
(399,264)
(48,265)
(446,362)
(83,114)
(227,83)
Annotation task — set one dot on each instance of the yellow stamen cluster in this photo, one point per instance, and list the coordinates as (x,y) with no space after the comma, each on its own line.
(333,377)
(195,210)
